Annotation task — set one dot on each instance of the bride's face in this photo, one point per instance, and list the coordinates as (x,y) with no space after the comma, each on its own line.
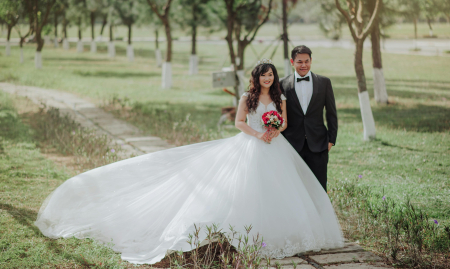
(266,79)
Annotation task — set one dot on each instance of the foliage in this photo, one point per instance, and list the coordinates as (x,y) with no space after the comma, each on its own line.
(217,251)
(53,129)
(405,233)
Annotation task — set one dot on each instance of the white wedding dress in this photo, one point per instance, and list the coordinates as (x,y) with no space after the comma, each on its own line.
(149,204)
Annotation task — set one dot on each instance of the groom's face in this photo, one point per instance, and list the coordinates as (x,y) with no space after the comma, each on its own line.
(302,64)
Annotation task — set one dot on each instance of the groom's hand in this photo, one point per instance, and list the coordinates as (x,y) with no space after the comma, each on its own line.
(329,146)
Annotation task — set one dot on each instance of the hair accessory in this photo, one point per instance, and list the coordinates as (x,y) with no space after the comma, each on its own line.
(264,61)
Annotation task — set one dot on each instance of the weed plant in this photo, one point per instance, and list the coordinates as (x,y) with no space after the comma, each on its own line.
(404,233)
(60,131)
(217,250)
(174,123)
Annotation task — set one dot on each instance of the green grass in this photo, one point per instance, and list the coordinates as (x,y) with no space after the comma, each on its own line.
(409,158)
(26,179)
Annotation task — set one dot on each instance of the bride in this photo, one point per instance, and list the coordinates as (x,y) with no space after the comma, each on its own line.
(149,204)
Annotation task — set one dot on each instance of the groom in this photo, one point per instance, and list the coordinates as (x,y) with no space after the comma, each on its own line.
(307,95)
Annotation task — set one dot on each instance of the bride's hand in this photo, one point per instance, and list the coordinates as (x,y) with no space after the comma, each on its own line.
(264,137)
(274,133)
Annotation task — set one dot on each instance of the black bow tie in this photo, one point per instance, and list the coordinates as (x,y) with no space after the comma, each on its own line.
(305,78)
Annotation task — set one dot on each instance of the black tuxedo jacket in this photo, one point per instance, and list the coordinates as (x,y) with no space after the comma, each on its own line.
(310,126)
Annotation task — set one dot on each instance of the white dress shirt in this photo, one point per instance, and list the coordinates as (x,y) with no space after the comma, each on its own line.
(304,90)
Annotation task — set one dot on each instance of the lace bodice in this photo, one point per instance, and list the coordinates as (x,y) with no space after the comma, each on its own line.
(254,118)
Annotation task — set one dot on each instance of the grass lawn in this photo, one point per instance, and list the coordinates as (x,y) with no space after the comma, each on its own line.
(409,158)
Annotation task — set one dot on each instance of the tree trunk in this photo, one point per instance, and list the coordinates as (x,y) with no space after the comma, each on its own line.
(8,45)
(65,27)
(55,41)
(111,47)
(93,26)
(415,27)
(167,67)
(364,101)
(80,47)
(158,55)
(104,22)
(193,40)
(111,39)
(193,60)
(287,65)
(9,32)
(379,84)
(129,34)
(429,25)
(169,40)
(130,51)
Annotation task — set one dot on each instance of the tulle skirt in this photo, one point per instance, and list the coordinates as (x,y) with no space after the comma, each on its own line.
(149,204)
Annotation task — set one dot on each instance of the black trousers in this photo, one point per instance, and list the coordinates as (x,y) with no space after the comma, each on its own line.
(317,162)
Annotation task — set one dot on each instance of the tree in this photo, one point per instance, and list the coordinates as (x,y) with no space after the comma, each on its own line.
(40,13)
(411,9)
(360,29)
(148,17)
(128,11)
(93,7)
(193,14)
(330,20)
(284,35)
(25,12)
(242,19)
(431,9)
(9,15)
(379,83)
(77,13)
(163,11)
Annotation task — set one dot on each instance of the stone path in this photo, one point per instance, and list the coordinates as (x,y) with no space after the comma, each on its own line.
(350,256)
(131,139)
(135,143)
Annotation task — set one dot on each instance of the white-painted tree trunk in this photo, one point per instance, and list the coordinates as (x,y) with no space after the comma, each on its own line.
(47,39)
(80,47)
(8,48)
(21,56)
(431,32)
(38,60)
(379,86)
(66,44)
(111,49)
(93,47)
(130,53)
(166,75)
(193,65)
(367,116)
(238,61)
(55,42)
(158,57)
(287,67)
(242,80)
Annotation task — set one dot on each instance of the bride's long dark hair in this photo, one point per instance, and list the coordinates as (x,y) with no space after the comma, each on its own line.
(255,87)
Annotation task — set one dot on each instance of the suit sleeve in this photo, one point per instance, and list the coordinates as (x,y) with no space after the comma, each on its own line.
(331,114)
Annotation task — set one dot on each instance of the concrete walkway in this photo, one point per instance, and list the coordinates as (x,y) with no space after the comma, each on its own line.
(130,138)
(350,256)
(135,143)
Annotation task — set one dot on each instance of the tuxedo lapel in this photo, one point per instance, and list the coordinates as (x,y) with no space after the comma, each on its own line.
(293,93)
(315,82)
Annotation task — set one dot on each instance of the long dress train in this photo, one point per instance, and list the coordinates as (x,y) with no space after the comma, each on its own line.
(149,204)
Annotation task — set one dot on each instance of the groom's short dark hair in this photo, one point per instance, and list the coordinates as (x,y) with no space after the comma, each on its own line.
(302,49)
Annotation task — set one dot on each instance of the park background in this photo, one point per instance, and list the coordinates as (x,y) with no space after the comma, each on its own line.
(391,190)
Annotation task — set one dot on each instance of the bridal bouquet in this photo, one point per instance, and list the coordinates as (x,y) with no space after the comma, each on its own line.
(272,120)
